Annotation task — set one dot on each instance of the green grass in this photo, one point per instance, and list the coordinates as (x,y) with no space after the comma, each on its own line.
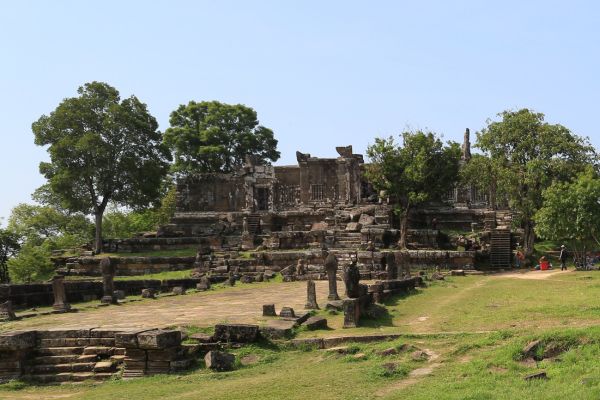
(186,273)
(476,325)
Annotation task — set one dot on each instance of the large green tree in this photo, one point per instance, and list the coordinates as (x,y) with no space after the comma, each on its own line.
(214,137)
(529,154)
(9,246)
(102,149)
(481,173)
(571,212)
(419,170)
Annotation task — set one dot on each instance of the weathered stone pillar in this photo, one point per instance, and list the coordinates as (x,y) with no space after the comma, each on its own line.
(351,313)
(60,296)
(331,266)
(108,275)
(351,279)
(311,296)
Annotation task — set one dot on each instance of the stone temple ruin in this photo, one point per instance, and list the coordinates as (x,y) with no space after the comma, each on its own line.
(317,220)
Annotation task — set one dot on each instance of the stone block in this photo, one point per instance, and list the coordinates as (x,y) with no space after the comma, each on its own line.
(159,339)
(148,293)
(219,361)
(366,220)
(353,227)
(278,329)
(269,310)
(314,323)
(236,333)
(119,294)
(287,312)
(179,290)
(19,340)
(335,305)
(128,339)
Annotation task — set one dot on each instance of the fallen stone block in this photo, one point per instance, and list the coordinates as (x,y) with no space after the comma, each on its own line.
(314,323)
(537,375)
(148,293)
(219,361)
(278,329)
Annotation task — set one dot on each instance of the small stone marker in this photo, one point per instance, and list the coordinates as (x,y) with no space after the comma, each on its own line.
(287,312)
(219,361)
(148,293)
(231,280)
(6,311)
(269,310)
(60,296)
(311,296)
(179,290)
(119,294)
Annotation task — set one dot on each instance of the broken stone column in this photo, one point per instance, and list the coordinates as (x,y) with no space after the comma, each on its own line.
(331,266)
(351,279)
(6,311)
(60,296)
(204,283)
(300,270)
(108,275)
(311,296)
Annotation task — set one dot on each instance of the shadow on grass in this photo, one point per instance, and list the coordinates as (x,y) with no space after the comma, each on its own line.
(395,299)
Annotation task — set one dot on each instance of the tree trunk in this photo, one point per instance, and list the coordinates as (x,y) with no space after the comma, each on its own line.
(403,228)
(528,238)
(98,238)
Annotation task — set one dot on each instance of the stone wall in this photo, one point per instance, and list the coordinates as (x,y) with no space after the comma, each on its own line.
(40,294)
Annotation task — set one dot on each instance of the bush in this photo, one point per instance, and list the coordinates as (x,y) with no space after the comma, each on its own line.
(32,264)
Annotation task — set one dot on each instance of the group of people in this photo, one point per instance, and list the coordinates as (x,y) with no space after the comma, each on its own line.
(543,261)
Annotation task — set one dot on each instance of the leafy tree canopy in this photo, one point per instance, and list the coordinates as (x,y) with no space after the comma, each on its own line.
(102,149)
(571,211)
(9,246)
(528,155)
(215,137)
(422,169)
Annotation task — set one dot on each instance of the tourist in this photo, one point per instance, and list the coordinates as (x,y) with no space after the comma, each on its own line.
(563,258)
(519,258)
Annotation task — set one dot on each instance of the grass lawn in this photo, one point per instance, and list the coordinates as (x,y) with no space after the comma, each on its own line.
(473,329)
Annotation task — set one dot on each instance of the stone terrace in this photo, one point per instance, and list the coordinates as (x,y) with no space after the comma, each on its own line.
(241,304)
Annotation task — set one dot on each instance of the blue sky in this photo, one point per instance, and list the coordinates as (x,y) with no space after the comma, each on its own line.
(319,73)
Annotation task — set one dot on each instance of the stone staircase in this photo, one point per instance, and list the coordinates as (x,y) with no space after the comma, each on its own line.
(500,248)
(254,223)
(347,240)
(62,356)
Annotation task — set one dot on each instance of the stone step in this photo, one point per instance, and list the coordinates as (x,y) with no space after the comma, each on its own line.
(61,359)
(59,351)
(72,342)
(70,377)
(58,368)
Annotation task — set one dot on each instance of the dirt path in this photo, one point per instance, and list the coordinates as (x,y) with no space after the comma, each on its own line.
(241,304)
(535,275)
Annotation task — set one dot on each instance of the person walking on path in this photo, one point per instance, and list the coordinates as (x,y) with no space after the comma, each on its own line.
(563,258)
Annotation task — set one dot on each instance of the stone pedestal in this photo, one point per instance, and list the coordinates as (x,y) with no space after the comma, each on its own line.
(351,313)
(60,296)
(311,296)
(269,310)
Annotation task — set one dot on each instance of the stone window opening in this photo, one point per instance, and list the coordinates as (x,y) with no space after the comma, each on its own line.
(317,192)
